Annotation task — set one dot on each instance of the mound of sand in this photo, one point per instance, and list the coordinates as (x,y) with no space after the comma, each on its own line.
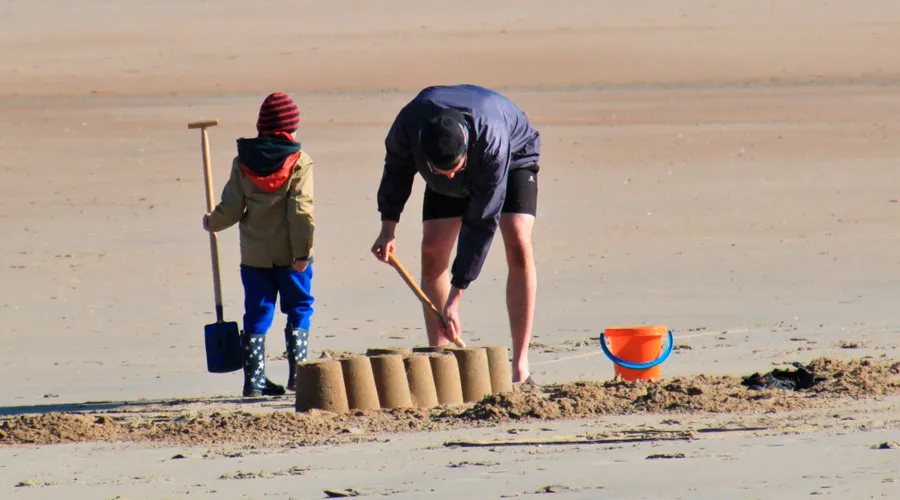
(836,381)
(702,393)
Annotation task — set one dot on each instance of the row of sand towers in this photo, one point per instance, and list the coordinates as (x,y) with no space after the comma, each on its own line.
(422,377)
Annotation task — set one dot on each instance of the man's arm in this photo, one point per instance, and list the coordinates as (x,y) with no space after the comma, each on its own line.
(230,210)
(399,171)
(301,220)
(487,190)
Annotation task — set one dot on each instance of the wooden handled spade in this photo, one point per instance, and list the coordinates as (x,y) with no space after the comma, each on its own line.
(222,339)
(421,295)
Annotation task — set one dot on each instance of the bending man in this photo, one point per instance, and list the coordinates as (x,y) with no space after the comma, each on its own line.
(478,155)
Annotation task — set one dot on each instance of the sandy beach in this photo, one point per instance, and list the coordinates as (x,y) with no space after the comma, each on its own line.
(727,169)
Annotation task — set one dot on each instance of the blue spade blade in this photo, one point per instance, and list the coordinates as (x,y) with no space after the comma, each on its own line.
(223,347)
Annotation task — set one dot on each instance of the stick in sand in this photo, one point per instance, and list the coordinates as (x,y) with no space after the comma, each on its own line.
(421,295)
(569,441)
(630,436)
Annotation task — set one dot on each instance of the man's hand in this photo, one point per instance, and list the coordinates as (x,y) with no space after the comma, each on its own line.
(206,222)
(300,265)
(452,328)
(385,244)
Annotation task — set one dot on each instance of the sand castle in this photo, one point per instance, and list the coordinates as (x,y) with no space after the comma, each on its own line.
(388,378)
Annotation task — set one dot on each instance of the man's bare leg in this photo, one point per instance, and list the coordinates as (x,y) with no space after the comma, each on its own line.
(438,239)
(521,287)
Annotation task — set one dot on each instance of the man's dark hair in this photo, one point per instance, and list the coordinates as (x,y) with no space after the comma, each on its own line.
(444,138)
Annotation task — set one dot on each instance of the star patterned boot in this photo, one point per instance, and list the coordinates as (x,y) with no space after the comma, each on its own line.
(297,342)
(255,381)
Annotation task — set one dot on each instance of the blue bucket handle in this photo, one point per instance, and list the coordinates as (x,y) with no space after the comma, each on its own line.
(638,366)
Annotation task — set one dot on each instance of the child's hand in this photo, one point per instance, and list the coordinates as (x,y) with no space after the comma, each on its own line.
(300,265)
(206,222)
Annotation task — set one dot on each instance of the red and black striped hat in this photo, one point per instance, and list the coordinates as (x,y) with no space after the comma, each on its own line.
(278,113)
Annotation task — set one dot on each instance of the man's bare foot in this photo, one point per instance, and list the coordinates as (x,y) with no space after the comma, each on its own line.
(521,372)
(526,385)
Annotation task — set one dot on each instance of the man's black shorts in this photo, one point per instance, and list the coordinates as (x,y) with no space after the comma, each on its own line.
(521,197)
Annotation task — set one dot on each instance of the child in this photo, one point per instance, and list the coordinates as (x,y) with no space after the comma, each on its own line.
(270,193)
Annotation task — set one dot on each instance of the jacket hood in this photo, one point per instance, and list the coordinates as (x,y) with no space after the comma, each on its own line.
(266,155)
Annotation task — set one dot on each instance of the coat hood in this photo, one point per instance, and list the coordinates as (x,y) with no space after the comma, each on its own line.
(268,161)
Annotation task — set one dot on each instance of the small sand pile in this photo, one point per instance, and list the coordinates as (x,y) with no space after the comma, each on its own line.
(515,406)
(57,428)
(858,378)
(835,381)
(196,428)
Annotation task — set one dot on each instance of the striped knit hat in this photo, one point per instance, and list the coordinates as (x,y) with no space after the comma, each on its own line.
(278,113)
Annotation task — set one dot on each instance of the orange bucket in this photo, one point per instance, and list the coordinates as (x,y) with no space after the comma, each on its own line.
(637,351)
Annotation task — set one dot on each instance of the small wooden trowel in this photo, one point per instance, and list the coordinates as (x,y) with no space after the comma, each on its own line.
(421,295)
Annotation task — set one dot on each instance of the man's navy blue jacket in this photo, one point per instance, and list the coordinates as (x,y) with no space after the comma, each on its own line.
(500,139)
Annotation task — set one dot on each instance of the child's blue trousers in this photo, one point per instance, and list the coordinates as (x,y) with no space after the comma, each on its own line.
(263,285)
